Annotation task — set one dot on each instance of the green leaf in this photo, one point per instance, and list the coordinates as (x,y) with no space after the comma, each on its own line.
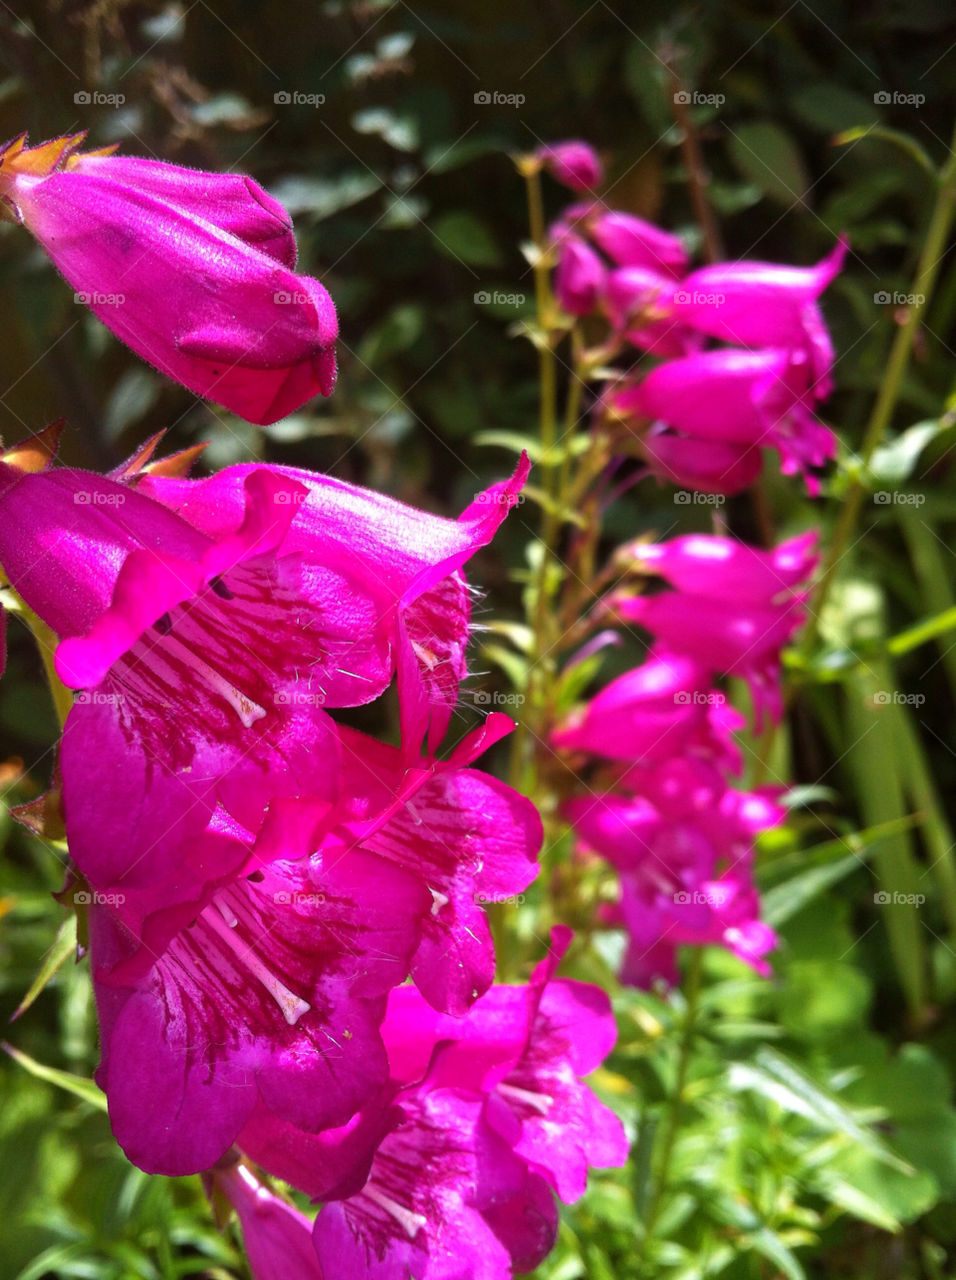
(775,1078)
(831,107)
(767,156)
(64,946)
(462,236)
(77,1085)
(893,463)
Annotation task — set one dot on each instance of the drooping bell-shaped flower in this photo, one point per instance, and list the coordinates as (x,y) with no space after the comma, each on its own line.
(682,842)
(239,617)
(573,163)
(715,566)
(765,304)
(655,711)
(579,277)
(630,241)
(638,304)
(700,466)
(452,1174)
(193,271)
(756,398)
(277,1236)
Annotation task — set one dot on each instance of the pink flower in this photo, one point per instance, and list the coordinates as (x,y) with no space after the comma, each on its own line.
(574,164)
(450,1173)
(278,1238)
(192,270)
(631,242)
(638,304)
(656,711)
(741,613)
(765,304)
(264,599)
(579,277)
(760,398)
(682,841)
(705,466)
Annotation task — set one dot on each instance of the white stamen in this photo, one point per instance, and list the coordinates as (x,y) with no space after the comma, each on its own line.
(439,900)
(290,1005)
(410,1222)
(540,1102)
(247,710)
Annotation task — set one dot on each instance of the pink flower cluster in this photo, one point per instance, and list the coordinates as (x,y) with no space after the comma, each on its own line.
(704,413)
(262,879)
(657,743)
(662,808)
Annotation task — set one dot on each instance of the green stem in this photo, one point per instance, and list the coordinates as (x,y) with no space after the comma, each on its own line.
(676,1103)
(934,248)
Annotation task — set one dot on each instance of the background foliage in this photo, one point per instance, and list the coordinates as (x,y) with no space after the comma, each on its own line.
(817,1135)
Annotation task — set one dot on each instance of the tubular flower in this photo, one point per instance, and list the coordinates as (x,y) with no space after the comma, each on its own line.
(193,271)
(451,1173)
(682,842)
(734,608)
(756,398)
(579,277)
(706,466)
(765,304)
(278,1238)
(661,708)
(574,164)
(240,619)
(638,304)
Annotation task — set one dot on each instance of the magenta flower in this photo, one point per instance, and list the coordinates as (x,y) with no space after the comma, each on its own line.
(631,242)
(682,842)
(704,564)
(271,995)
(466,837)
(579,277)
(574,164)
(450,1174)
(661,708)
(705,466)
(277,1237)
(638,304)
(756,398)
(191,270)
(765,304)
(264,600)
(740,616)
(409,560)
